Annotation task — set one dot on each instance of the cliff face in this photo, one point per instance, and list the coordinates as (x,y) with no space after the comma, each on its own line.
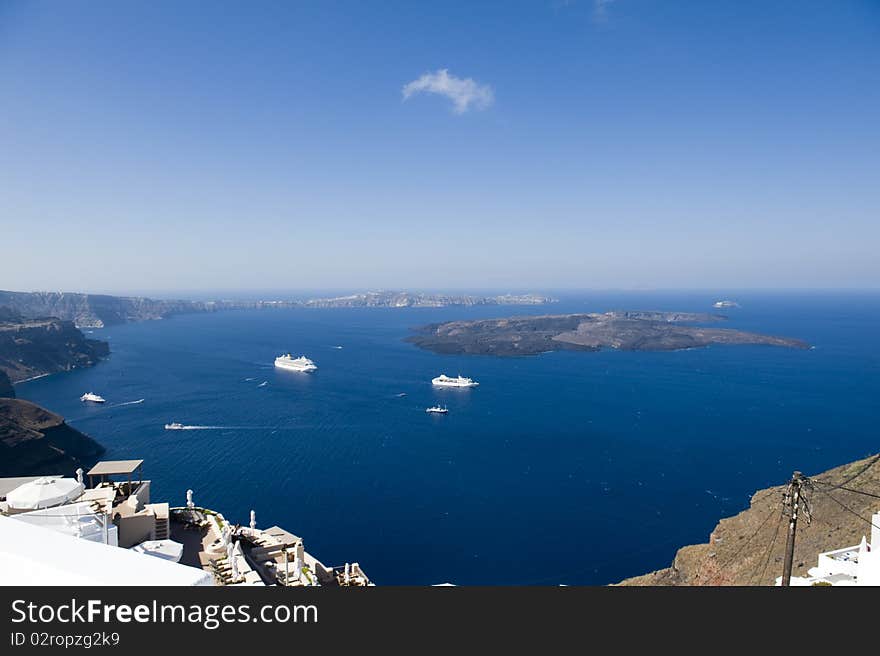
(389,299)
(33,347)
(748,549)
(6,389)
(34,441)
(95,310)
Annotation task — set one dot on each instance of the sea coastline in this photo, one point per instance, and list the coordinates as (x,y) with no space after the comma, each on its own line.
(607,427)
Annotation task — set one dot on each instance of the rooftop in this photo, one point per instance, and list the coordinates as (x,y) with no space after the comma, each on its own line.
(34,555)
(113,467)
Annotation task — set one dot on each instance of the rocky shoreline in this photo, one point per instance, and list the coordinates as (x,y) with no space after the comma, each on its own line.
(35,347)
(34,441)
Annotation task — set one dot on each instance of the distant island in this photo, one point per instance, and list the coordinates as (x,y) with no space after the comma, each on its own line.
(622,330)
(100,310)
(411,299)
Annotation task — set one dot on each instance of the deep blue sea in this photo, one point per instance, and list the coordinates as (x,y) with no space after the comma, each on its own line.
(575,468)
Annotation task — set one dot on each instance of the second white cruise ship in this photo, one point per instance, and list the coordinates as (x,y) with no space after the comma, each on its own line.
(447,381)
(302,363)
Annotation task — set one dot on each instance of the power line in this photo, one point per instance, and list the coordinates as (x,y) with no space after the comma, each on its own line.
(853,490)
(743,546)
(867,466)
(847,508)
(770,549)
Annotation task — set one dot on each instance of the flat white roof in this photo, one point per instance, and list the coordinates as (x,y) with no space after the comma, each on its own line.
(110,467)
(33,555)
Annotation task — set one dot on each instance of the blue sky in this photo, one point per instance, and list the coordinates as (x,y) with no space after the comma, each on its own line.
(167,146)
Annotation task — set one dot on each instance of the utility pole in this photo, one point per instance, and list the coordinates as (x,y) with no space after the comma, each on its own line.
(792,499)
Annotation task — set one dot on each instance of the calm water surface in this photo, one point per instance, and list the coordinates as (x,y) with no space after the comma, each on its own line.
(577,468)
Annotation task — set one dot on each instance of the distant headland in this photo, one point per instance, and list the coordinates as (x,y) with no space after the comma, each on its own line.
(100,310)
(32,347)
(416,299)
(623,330)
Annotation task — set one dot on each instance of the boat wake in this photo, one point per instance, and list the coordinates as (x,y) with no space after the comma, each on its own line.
(263,384)
(119,405)
(200,427)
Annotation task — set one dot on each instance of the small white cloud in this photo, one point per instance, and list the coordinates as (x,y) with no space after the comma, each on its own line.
(464,93)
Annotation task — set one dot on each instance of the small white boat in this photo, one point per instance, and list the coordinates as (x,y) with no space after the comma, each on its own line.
(437,410)
(89,397)
(174,426)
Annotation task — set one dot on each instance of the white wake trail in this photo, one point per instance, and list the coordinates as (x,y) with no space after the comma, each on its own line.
(119,405)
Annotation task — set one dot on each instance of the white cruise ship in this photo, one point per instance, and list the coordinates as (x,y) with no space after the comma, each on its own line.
(447,381)
(302,363)
(94,398)
(437,410)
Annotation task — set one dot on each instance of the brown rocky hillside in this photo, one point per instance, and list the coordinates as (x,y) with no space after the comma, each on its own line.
(34,441)
(747,549)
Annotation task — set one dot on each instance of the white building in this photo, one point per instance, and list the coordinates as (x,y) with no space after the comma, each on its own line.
(856,565)
(34,555)
(76,519)
(55,531)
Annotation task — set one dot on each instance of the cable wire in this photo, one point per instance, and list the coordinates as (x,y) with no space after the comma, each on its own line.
(849,489)
(870,464)
(770,550)
(847,508)
(742,546)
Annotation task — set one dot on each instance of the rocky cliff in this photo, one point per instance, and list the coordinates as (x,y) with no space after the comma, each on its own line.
(95,310)
(34,441)
(6,389)
(34,347)
(400,299)
(748,549)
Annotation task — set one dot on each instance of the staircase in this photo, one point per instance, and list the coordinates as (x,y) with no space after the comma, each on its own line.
(162,530)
